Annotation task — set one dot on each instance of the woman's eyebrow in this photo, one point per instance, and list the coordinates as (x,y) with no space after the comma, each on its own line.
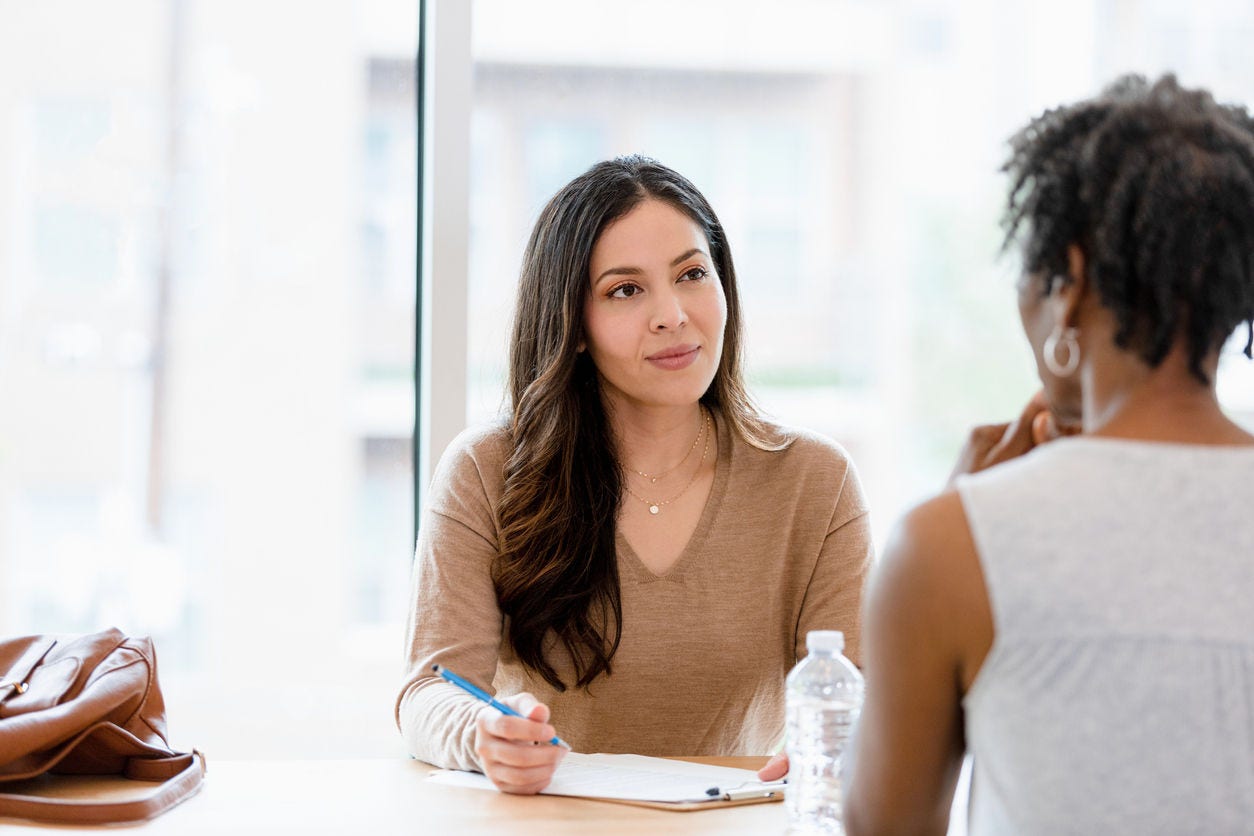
(689,254)
(619,271)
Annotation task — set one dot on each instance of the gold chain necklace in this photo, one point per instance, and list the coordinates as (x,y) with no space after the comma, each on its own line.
(653,478)
(655,506)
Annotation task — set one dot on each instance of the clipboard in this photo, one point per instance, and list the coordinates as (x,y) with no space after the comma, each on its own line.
(762,794)
(657,783)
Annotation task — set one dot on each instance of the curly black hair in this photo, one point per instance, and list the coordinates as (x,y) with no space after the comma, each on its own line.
(1155,185)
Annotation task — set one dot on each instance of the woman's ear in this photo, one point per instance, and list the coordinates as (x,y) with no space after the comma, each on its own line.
(1071,292)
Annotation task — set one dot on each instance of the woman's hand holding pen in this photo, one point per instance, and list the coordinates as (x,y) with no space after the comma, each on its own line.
(516,752)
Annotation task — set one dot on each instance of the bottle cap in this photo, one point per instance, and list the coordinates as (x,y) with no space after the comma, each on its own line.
(831,641)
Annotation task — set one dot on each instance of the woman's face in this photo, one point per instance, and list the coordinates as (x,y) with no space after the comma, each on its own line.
(1041,313)
(654,319)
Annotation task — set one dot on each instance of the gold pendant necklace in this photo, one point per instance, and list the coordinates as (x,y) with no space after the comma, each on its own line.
(654,477)
(655,506)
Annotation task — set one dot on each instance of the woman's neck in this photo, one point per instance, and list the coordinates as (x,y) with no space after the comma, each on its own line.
(1127,399)
(655,439)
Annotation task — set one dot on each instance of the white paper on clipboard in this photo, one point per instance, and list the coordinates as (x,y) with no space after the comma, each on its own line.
(630,778)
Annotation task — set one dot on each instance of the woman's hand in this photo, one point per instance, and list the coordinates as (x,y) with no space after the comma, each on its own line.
(776,768)
(993,444)
(515,752)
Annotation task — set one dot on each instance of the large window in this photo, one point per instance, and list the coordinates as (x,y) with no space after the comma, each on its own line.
(207,289)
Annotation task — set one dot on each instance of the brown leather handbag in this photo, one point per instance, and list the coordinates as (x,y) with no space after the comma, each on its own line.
(86,705)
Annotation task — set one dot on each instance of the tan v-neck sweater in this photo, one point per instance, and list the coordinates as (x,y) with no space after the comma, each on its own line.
(781,548)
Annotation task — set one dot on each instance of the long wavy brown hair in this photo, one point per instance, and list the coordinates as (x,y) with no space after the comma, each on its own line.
(556,572)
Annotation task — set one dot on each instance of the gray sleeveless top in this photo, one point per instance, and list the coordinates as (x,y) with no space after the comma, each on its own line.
(1118,696)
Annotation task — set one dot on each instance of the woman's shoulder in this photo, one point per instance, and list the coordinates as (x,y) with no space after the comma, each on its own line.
(797,447)
(805,464)
(491,440)
(476,455)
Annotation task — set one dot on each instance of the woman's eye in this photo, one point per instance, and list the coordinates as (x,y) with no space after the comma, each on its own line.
(695,274)
(624,291)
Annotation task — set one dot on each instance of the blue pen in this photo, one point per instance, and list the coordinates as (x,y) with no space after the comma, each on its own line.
(486,697)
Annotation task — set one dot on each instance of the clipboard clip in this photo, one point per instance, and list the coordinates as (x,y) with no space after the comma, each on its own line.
(749,789)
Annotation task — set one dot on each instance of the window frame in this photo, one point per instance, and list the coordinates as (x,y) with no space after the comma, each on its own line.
(444,92)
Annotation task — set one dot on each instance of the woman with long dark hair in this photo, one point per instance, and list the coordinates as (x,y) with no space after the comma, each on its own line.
(635,554)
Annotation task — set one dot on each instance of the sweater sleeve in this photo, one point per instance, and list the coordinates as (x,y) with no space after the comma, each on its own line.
(454,620)
(833,597)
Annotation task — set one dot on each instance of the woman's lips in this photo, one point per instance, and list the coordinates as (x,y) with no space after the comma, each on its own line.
(674,359)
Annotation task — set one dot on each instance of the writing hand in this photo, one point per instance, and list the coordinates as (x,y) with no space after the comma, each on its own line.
(515,751)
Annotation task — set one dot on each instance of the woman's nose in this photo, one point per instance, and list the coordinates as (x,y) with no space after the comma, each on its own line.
(669,313)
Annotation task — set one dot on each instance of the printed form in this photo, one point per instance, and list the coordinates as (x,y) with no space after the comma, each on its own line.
(626,778)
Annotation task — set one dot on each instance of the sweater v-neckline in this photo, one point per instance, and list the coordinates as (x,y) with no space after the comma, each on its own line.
(722,473)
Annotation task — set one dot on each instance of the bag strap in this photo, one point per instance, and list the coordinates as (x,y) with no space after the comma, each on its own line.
(181,777)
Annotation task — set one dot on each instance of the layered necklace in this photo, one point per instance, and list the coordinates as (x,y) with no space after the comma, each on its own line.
(655,506)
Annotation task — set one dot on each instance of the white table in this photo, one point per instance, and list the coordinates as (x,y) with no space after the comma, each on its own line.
(381,797)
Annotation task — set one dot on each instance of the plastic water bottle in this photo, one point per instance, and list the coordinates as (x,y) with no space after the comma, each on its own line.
(824,698)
